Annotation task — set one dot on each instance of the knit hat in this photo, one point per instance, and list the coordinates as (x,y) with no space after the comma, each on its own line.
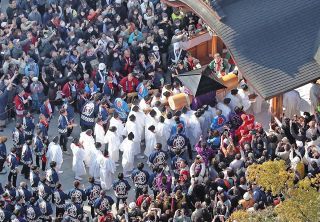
(132,205)
(102,66)
(246,196)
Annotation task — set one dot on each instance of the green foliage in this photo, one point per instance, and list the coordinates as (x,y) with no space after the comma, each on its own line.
(271,175)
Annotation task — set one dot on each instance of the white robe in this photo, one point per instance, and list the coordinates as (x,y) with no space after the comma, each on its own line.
(113,141)
(169,123)
(77,161)
(99,133)
(291,103)
(314,97)
(143,105)
(54,153)
(162,135)
(244,95)
(213,112)
(154,100)
(140,122)
(207,122)
(202,121)
(224,109)
(158,113)
(149,122)
(128,149)
(185,117)
(235,101)
(257,104)
(196,130)
(151,142)
(94,168)
(120,127)
(88,145)
(133,127)
(107,170)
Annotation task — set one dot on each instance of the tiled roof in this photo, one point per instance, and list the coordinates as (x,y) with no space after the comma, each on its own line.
(272,41)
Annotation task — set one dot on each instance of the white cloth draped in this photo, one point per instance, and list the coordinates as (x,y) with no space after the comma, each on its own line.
(99,133)
(77,161)
(113,141)
(94,168)
(88,144)
(107,170)
(128,148)
(54,153)
(151,142)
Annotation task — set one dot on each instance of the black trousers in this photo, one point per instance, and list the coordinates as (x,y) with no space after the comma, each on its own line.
(14,178)
(26,171)
(2,161)
(69,131)
(189,151)
(155,194)
(139,192)
(19,152)
(43,163)
(85,128)
(118,202)
(93,214)
(28,137)
(63,141)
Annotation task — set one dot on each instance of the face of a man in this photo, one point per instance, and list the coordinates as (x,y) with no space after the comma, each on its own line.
(14,4)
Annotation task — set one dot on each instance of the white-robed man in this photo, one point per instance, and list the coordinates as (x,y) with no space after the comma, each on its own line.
(162,133)
(128,149)
(314,96)
(140,120)
(244,95)
(116,121)
(169,121)
(113,141)
(224,107)
(291,103)
(150,121)
(54,153)
(196,128)
(99,132)
(78,157)
(131,126)
(87,141)
(97,157)
(107,170)
(185,117)
(151,140)
(207,120)
(235,100)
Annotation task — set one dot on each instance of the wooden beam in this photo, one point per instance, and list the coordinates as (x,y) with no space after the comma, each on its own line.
(277,107)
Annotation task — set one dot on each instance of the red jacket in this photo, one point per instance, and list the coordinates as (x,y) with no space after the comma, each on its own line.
(19,105)
(246,126)
(66,92)
(129,86)
(142,198)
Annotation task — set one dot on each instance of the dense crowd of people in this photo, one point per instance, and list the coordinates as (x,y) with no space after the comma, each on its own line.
(109,67)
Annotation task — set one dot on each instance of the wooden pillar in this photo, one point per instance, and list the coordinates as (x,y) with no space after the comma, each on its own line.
(276,107)
(214,46)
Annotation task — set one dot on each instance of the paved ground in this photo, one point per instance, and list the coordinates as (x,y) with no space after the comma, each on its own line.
(67,177)
(4,5)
